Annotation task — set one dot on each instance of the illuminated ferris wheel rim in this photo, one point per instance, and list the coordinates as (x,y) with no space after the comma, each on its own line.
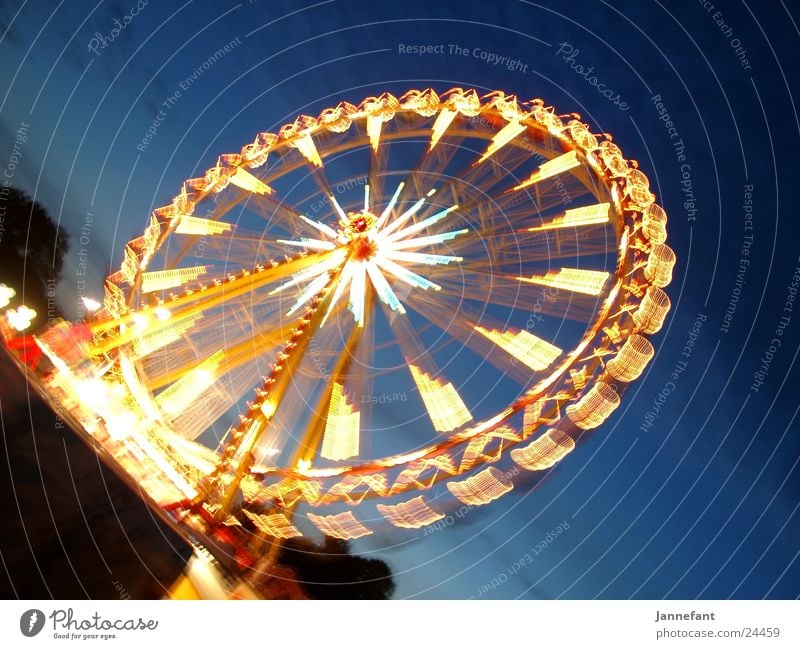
(530,118)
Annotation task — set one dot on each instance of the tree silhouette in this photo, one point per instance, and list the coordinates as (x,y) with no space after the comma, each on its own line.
(32,248)
(329,571)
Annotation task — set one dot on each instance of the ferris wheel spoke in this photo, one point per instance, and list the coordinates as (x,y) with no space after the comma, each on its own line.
(481,333)
(509,293)
(236,354)
(335,426)
(430,165)
(443,404)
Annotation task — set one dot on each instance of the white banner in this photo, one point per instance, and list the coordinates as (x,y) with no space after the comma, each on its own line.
(206,624)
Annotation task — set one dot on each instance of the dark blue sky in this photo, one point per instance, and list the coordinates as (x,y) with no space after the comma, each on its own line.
(703,501)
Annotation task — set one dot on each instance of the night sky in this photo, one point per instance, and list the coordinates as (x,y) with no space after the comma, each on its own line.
(691,494)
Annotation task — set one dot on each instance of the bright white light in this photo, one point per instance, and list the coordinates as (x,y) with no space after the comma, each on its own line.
(6,293)
(21,317)
(90,305)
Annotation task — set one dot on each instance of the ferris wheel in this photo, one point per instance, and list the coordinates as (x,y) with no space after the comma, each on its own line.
(408,293)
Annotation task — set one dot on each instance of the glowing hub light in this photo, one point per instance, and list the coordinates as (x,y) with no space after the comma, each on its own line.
(443,403)
(482,488)
(556,166)
(275,525)
(341,428)
(531,350)
(589,215)
(6,293)
(588,282)
(632,358)
(594,407)
(201,227)
(21,317)
(545,451)
(341,526)
(411,514)
(372,247)
(163,279)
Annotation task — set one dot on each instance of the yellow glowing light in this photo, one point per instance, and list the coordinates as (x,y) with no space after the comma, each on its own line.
(443,121)
(482,488)
(163,279)
(183,392)
(374,125)
(659,266)
(588,215)
(303,465)
(161,334)
(594,407)
(247,181)
(545,451)
(114,300)
(342,427)
(411,514)
(275,525)
(556,166)
(305,145)
(577,280)
(341,526)
(653,310)
(201,227)
(631,359)
(443,403)
(531,350)
(503,137)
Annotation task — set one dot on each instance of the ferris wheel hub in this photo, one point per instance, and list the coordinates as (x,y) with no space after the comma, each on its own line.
(359,231)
